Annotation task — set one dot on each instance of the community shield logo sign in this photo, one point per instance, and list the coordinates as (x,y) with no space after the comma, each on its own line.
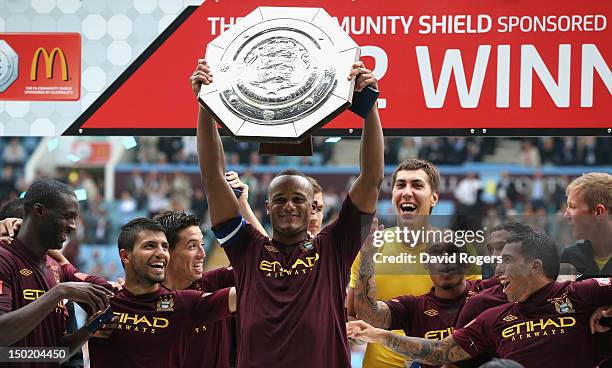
(40,66)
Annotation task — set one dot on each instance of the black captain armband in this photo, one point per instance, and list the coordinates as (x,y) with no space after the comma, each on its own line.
(226,232)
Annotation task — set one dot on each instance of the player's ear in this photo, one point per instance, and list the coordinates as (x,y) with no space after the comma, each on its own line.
(39,208)
(267,207)
(537,267)
(600,210)
(123,255)
(434,198)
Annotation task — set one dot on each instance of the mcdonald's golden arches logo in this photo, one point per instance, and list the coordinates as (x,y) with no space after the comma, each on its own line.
(49,60)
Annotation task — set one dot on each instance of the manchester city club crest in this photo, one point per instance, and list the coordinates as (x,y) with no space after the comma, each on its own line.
(165,303)
(306,246)
(563,305)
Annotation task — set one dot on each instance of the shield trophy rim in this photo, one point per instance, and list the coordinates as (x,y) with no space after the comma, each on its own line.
(294,134)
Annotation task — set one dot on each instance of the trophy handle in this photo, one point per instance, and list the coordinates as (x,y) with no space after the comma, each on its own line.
(304,148)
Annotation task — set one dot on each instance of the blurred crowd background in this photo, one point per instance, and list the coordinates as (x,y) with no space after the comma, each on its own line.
(484,181)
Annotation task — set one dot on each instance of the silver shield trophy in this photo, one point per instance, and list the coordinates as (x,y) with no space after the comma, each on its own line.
(279,74)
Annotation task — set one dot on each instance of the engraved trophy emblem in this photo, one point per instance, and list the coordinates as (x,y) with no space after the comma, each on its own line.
(279,74)
(9,65)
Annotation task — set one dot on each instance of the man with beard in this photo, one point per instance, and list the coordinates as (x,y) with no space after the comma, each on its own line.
(316,216)
(11,215)
(210,343)
(291,288)
(546,324)
(432,315)
(415,191)
(492,296)
(155,324)
(32,287)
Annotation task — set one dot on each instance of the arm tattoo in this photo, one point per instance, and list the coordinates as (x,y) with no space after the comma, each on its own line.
(367,307)
(432,352)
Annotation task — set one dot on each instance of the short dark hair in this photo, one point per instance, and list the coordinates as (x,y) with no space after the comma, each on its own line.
(513,228)
(12,208)
(540,246)
(129,232)
(417,164)
(47,192)
(292,172)
(501,363)
(173,223)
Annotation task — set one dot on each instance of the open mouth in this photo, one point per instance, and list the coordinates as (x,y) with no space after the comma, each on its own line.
(505,283)
(158,266)
(408,208)
(199,267)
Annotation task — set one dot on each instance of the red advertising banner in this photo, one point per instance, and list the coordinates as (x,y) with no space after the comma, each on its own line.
(40,66)
(517,67)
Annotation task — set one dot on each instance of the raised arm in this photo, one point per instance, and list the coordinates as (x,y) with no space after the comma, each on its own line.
(432,352)
(364,191)
(367,307)
(243,201)
(221,199)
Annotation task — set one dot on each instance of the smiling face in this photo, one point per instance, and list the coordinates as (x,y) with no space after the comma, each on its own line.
(149,257)
(517,273)
(579,215)
(290,204)
(188,255)
(412,197)
(58,221)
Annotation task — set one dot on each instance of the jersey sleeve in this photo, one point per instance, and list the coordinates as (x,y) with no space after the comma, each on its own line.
(6,285)
(594,292)
(475,338)
(206,307)
(470,310)
(349,231)
(70,273)
(234,237)
(216,279)
(402,309)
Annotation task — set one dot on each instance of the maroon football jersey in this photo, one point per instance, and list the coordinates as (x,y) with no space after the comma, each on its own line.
(291,296)
(23,279)
(427,315)
(549,329)
(210,344)
(155,329)
(486,299)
